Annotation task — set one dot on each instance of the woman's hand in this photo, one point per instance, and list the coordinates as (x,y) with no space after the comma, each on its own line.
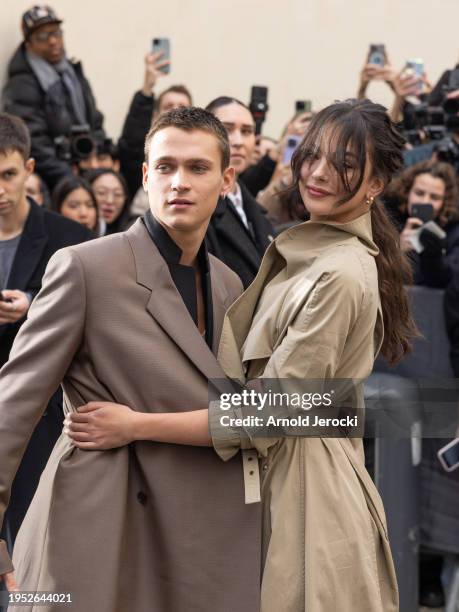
(101,426)
(411,225)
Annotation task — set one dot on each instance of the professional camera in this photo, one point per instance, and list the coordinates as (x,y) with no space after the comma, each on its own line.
(77,145)
(436,123)
(447,150)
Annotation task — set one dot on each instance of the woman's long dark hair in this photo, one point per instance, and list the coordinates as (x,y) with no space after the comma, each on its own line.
(65,186)
(365,129)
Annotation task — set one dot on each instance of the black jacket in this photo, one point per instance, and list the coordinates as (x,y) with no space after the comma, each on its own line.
(229,239)
(131,143)
(44,233)
(47,114)
(257,177)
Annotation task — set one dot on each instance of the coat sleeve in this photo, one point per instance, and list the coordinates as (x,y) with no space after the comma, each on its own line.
(131,143)
(310,349)
(40,357)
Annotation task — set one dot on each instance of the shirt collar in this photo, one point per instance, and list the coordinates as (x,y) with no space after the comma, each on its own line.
(168,249)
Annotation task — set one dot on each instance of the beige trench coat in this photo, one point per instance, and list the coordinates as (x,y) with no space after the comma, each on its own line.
(313,312)
(147,526)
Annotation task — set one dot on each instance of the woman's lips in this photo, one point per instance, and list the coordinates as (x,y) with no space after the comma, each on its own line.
(316,192)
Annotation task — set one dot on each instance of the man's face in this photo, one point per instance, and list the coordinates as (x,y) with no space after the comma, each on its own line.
(240,126)
(173,100)
(184,178)
(47,42)
(14,172)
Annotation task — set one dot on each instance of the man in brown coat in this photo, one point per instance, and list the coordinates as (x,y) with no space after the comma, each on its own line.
(135,318)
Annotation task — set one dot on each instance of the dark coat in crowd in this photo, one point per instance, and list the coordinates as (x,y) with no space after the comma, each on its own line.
(229,240)
(131,143)
(257,177)
(44,233)
(47,114)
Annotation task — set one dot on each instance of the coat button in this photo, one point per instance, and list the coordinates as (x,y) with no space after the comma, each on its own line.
(265,467)
(142,498)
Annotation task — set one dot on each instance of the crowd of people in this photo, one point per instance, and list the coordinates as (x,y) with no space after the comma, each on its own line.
(64,182)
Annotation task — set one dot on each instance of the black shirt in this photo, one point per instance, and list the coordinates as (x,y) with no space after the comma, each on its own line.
(184,276)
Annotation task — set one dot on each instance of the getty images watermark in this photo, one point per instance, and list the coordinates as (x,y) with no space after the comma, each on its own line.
(382,406)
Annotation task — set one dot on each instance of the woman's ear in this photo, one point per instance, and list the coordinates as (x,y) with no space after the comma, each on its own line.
(375,188)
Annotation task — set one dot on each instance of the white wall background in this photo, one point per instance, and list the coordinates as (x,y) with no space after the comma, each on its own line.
(298,48)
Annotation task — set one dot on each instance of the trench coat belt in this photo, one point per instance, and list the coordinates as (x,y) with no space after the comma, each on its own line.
(251,476)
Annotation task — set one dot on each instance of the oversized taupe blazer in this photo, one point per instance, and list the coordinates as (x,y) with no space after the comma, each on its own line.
(313,312)
(148,526)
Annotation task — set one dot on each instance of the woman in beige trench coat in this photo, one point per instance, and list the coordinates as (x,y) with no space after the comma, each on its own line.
(317,309)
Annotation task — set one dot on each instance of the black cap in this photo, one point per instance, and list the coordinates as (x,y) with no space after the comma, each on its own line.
(36,17)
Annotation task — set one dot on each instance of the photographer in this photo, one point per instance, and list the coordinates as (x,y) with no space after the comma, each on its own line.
(49,92)
(429,187)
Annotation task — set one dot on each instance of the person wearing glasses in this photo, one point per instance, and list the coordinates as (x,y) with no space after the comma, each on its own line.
(49,92)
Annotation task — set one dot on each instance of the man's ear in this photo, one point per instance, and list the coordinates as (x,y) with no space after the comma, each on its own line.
(30,165)
(229,177)
(144,176)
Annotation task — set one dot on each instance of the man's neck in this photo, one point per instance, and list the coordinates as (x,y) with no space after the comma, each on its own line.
(188,242)
(13,224)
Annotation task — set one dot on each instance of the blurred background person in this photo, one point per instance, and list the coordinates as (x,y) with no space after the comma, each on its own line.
(73,198)
(283,207)
(112,197)
(51,94)
(29,236)
(104,155)
(145,107)
(37,190)
(433,184)
(239,231)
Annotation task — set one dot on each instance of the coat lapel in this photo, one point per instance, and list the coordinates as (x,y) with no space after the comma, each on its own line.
(166,305)
(30,249)
(227,223)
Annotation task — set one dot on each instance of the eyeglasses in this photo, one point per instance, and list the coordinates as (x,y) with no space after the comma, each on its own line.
(43,37)
(104,193)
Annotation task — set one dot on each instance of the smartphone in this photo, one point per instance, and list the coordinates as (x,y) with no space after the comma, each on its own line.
(449,455)
(259,105)
(377,55)
(425,212)
(162,45)
(416,66)
(292,144)
(303,106)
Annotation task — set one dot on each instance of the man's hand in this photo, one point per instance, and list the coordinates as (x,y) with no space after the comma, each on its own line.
(153,64)
(10,581)
(14,306)
(101,426)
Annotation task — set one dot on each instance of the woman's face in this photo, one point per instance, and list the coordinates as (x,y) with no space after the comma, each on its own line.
(110,197)
(427,189)
(322,190)
(79,206)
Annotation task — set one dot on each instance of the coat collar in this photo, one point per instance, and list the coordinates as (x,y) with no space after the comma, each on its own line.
(30,249)
(167,307)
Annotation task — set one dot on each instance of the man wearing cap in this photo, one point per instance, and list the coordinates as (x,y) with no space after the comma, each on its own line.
(49,92)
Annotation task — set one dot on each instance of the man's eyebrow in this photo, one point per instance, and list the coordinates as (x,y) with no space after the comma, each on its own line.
(192,160)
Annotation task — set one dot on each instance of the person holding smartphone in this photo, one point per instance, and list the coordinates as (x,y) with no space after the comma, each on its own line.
(423,193)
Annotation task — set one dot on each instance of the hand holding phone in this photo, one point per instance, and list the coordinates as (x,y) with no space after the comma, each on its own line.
(424,212)
(290,147)
(163,46)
